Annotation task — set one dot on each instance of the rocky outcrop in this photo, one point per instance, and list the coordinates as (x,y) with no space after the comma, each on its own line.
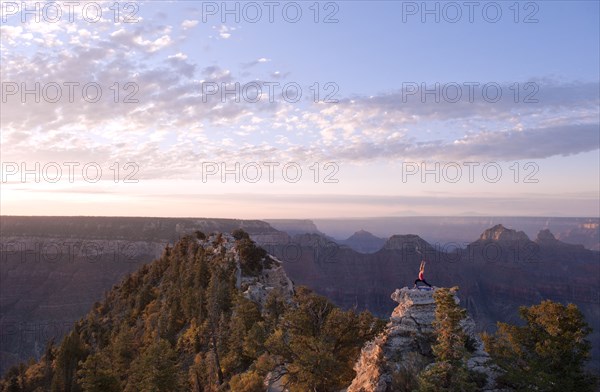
(500,233)
(546,236)
(547,239)
(405,345)
(408,242)
(364,242)
(257,287)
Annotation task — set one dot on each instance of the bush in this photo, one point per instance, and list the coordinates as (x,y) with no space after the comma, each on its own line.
(247,382)
(240,234)
(251,257)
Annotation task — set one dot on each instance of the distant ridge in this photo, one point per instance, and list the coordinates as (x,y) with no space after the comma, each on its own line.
(294,226)
(502,234)
(364,242)
(408,242)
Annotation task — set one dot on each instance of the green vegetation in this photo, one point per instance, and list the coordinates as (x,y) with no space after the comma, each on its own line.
(451,349)
(316,344)
(181,323)
(548,353)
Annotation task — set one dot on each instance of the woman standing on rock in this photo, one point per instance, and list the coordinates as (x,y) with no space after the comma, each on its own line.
(421,275)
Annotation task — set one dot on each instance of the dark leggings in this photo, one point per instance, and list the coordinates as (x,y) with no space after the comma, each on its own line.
(422,280)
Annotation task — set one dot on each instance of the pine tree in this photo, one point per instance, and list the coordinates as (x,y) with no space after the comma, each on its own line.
(96,374)
(449,372)
(246,314)
(14,380)
(198,375)
(71,351)
(274,307)
(548,353)
(123,352)
(156,370)
(214,310)
(247,382)
(317,344)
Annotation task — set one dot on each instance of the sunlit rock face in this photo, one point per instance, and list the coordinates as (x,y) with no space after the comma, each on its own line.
(405,345)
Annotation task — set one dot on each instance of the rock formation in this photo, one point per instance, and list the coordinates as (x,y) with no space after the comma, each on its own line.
(502,234)
(405,345)
(257,287)
(408,243)
(364,242)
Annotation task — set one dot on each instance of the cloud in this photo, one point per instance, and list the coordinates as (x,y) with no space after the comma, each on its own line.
(279,75)
(252,63)
(224,31)
(173,126)
(179,63)
(188,24)
(536,143)
(214,73)
(132,39)
(12,34)
(388,126)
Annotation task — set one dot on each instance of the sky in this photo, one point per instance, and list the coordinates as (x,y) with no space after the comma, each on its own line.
(300,109)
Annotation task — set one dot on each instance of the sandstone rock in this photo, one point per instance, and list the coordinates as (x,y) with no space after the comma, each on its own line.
(502,234)
(259,287)
(405,344)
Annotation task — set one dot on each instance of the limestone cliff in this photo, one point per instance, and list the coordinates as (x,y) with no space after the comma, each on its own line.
(255,287)
(404,347)
(502,234)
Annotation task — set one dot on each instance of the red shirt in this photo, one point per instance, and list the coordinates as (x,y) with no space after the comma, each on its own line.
(421,275)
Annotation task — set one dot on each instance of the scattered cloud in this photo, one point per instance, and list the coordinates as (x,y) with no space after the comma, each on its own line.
(252,63)
(173,125)
(224,31)
(188,24)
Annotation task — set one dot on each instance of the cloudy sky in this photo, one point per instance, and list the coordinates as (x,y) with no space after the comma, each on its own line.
(300,109)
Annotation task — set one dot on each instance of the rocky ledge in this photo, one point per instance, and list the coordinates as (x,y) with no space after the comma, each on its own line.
(404,347)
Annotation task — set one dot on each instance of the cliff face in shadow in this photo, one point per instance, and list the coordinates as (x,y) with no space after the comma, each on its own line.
(53,269)
(364,242)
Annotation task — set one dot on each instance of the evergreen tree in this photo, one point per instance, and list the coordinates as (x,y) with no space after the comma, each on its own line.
(14,380)
(247,382)
(449,372)
(123,352)
(246,314)
(214,310)
(156,370)
(274,307)
(548,353)
(317,343)
(71,351)
(96,374)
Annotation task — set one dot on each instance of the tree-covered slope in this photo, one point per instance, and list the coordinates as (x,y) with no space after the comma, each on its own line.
(212,313)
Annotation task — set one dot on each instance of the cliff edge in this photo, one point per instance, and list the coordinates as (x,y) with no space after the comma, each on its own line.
(404,347)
